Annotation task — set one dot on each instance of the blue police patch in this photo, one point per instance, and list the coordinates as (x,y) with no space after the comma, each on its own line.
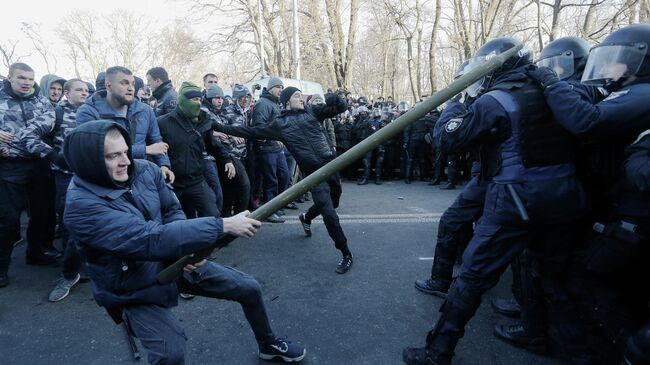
(453,124)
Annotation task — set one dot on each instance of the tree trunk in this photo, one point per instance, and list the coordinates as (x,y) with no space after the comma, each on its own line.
(433,72)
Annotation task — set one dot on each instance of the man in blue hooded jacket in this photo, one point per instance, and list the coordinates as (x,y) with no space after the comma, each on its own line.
(118,103)
(128,224)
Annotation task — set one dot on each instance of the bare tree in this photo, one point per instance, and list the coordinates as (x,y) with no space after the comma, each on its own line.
(79,32)
(9,54)
(33,32)
(433,73)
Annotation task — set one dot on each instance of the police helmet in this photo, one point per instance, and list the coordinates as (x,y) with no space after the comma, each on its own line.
(566,56)
(492,49)
(362,100)
(403,106)
(622,56)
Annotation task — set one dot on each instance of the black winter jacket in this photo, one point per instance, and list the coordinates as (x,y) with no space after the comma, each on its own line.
(300,130)
(265,111)
(166,98)
(187,143)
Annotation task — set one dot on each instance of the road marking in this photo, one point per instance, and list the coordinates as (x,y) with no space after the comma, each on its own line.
(425,258)
(377,218)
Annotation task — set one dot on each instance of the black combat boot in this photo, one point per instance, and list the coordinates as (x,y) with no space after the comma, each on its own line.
(517,336)
(435,286)
(507,307)
(442,339)
(363,181)
(449,186)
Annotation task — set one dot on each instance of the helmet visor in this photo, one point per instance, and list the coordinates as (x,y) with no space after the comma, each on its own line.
(475,89)
(562,64)
(612,63)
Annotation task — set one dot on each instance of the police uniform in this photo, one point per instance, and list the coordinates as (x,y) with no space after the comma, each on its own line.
(529,160)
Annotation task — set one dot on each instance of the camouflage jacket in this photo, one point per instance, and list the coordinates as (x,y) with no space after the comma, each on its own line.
(235,115)
(32,137)
(17,112)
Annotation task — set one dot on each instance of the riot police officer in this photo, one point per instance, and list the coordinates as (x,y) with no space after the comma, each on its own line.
(567,56)
(619,243)
(365,126)
(532,200)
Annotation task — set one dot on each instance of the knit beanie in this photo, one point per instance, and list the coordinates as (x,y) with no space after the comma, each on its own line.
(273,82)
(188,107)
(239,91)
(286,94)
(213,91)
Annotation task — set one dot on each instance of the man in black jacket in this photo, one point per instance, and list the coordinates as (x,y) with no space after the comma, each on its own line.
(300,128)
(188,131)
(162,91)
(270,156)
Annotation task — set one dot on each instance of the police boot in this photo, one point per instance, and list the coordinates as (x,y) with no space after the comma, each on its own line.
(516,335)
(448,186)
(441,273)
(435,286)
(363,181)
(442,339)
(407,173)
(507,307)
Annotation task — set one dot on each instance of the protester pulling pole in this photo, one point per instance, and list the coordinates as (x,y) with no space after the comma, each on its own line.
(170,274)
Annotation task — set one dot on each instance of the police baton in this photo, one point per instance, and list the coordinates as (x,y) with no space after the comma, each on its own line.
(170,273)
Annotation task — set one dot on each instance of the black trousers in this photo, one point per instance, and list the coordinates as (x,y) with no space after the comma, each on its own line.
(326,197)
(236,191)
(197,200)
(25,184)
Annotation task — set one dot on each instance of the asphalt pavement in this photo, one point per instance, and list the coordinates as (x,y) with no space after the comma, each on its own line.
(363,317)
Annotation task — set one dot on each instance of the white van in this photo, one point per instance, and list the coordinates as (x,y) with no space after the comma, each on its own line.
(307,87)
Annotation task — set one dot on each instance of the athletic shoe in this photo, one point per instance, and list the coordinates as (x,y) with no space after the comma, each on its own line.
(344,265)
(62,289)
(435,286)
(284,349)
(305,226)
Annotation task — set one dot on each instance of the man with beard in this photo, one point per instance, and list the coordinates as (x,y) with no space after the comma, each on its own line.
(117,103)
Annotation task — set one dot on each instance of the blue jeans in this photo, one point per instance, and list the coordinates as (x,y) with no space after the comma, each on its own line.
(275,173)
(161,333)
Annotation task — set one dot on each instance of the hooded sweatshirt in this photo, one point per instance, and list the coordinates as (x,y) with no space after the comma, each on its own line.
(127,231)
(46,82)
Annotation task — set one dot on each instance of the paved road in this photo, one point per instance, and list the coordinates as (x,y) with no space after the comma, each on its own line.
(364,317)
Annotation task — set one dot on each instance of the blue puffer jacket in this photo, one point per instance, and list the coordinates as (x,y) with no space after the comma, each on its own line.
(144,133)
(127,232)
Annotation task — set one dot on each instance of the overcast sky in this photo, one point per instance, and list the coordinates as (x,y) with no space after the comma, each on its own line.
(47,13)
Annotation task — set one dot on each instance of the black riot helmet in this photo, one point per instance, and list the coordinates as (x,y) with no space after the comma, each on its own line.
(362,100)
(566,56)
(491,49)
(621,58)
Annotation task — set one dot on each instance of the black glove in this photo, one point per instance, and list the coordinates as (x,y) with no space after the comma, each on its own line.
(56,157)
(543,76)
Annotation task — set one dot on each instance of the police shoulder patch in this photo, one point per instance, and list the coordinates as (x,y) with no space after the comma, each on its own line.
(453,124)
